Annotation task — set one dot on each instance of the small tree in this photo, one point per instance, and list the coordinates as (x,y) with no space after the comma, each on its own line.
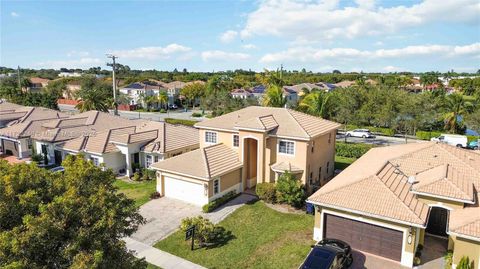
(204,229)
(290,190)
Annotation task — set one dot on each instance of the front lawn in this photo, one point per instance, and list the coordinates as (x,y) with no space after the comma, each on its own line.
(261,238)
(138,191)
(343,162)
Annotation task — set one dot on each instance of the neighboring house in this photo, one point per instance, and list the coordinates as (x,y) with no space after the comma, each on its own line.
(69,74)
(394,199)
(241,93)
(137,90)
(36,84)
(125,148)
(345,84)
(291,96)
(9,112)
(327,87)
(71,89)
(249,146)
(300,88)
(56,132)
(258,91)
(23,122)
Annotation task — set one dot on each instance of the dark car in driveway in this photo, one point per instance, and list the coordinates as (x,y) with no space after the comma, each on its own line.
(329,254)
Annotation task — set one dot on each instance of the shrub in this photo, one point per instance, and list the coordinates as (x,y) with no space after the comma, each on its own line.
(416,261)
(472,138)
(37,158)
(204,229)
(180,121)
(155,195)
(137,177)
(425,135)
(163,110)
(219,201)
(148,174)
(266,192)
(290,190)
(448,259)
(351,150)
(196,115)
(464,263)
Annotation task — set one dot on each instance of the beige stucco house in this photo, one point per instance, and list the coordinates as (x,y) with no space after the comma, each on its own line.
(138,145)
(395,198)
(250,146)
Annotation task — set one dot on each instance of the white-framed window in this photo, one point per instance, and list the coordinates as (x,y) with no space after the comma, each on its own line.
(216,186)
(236,140)
(150,159)
(95,161)
(211,137)
(286,147)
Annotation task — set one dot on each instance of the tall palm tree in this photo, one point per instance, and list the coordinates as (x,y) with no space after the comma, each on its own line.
(457,107)
(162,98)
(274,97)
(316,103)
(93,100)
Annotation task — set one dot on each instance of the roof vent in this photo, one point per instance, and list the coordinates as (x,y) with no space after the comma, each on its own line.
(412,179)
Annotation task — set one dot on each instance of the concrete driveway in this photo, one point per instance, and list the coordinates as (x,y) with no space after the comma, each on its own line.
(362,260)
(163,218)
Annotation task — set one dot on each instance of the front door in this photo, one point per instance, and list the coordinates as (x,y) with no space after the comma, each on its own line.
(250,161)
(45,154)
(437,221)
(58,157)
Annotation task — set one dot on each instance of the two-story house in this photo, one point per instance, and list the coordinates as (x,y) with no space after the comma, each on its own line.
(397,201)
(249,146)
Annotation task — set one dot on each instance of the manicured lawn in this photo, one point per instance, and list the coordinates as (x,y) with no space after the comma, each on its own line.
(151,266)
(343,162)
(138,191)
(260,238)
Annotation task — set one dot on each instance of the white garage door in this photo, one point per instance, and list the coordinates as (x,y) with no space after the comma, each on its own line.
(184,190)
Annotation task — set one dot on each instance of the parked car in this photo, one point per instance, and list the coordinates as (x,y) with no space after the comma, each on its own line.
(452,139)
(473,144)
(58,169)
(172,106)
(364,133)
(329,254)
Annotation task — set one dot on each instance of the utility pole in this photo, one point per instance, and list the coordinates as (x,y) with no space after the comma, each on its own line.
(19,80)
(113,57)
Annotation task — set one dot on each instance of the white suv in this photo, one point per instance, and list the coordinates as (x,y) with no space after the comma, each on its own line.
(364,133)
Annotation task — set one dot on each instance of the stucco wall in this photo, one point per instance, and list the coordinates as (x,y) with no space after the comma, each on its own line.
(432,201)
(464,247)
(323,156)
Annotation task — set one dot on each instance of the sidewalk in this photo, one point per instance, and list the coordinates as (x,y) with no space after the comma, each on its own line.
(159,258)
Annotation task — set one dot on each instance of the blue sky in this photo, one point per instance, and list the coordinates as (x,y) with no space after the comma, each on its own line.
(357,35)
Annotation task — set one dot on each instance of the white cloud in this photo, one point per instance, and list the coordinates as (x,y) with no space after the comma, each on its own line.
(378,43)
(76,53)
(152,53)
(249,46)
(320,20)
(308,54)
(228,36)
(14,14)
(391,68)
(77,63)
(218,55)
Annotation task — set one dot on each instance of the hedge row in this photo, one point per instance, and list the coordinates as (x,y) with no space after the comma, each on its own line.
(426,135)
(219,201)
(180,121)
(351,150)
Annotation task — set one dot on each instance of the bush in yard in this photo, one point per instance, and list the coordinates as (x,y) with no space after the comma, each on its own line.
(266,192)
(351,150)
(37,158)
(425,135)
(196,115)
(137,177)
(448,259)
(155,195)
(290,190)
(465,263)
(180,121)
(204,229)
(218,202)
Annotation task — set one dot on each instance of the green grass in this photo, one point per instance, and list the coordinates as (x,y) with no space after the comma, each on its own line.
(343,162)
(151,266)
(138,191)
(261,238)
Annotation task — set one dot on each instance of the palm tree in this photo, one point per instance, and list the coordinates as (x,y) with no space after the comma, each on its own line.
(274,97)
(316,103)
(162,98)
(457,107)
(93,100)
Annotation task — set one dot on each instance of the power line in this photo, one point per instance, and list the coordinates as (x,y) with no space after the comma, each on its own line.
(113,57)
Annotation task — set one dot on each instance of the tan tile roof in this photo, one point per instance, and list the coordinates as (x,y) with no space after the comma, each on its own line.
(4,105)
(83,124)
(19,114)
(437,169)
(290,123)
(206,163)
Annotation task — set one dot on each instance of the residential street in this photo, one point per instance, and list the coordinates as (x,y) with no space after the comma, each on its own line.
(379,140)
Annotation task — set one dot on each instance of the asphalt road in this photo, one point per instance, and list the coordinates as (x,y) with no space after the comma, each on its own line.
(378,140)
(154,116)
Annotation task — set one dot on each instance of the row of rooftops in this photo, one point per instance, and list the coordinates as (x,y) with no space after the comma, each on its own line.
(94,131)
(158,85)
